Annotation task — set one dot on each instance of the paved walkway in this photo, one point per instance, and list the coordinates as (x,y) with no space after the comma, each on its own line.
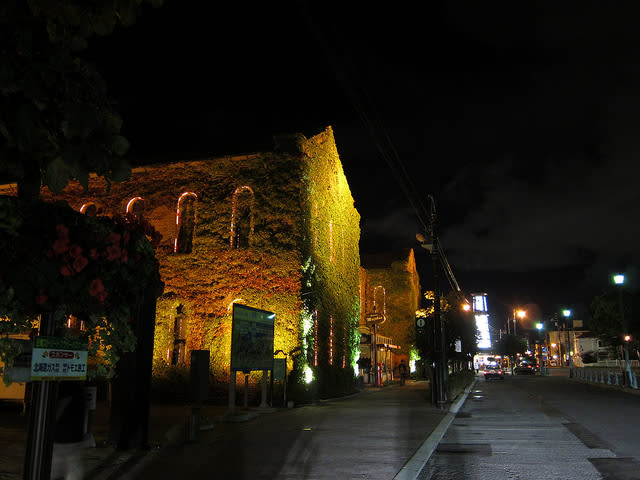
(370,435)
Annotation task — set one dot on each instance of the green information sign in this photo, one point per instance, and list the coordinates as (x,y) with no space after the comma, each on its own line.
(251,338)
(55,358)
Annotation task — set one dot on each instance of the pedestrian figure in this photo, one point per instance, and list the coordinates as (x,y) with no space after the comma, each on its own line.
(402,369)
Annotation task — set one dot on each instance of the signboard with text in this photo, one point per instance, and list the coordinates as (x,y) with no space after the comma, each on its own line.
(55,358)
(251,338)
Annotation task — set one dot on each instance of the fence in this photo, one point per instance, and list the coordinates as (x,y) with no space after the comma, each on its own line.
(614,363)
(606,376)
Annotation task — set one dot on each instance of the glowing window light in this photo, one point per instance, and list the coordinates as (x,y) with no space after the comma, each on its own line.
(89,209)
(315,339)
(376,303)
(180,219)
(237,300)
(330,340)
(135,206)
(234,203)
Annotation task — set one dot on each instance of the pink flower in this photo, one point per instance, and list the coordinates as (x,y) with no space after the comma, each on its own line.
(114,238)
(41,298)
(125,237)
(113,252)
(60,246)
(62,231)
(93,254)
(96,287)
(75,251)
(79,263)
(101,296)
(124,257)
(66,270)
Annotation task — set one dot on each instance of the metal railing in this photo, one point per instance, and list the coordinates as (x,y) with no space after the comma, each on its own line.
(607,376)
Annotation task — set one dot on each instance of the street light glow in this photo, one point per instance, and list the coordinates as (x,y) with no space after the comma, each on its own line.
(566,313)
(618,279)
(539,326)
(521,314)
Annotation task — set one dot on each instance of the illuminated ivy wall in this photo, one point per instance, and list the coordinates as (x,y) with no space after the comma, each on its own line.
(392,284)
(276,231)
(332,261)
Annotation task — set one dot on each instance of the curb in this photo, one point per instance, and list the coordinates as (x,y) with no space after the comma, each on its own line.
(416,463)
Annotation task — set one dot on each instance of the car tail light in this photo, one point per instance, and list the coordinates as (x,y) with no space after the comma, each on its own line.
(500,372)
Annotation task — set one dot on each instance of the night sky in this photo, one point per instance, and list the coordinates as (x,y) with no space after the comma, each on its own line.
(522,121)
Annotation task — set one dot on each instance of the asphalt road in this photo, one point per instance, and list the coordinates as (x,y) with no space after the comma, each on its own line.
(540,427)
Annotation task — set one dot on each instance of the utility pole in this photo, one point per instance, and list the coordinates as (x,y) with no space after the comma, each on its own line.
(439,337)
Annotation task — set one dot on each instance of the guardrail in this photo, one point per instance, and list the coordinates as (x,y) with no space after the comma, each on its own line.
(614,363)
(606,376)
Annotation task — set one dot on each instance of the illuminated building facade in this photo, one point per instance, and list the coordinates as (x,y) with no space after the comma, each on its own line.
(277,231)
(481,314)
(390,285)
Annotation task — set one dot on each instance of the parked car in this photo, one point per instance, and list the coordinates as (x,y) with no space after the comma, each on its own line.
(492,371)
(524,369)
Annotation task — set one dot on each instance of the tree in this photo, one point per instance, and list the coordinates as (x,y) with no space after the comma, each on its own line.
(459,325)
(56,122)
(510,345)
(607,320)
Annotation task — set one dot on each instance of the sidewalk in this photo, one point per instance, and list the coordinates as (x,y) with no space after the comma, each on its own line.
(167,434)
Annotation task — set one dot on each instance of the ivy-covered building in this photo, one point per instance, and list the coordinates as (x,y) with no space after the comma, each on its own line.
(390,285)
(277,231)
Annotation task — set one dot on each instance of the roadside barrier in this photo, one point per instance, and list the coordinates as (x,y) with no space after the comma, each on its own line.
(609,377)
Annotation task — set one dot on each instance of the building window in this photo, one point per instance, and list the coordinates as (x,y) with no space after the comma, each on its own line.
(89,209)
(179,336)
(315,339)
(242,217)
(135,207)
(330,340)
(185,222)
(379,299)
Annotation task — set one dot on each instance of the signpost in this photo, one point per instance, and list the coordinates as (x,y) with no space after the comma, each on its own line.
(376,319)
(252,332)
(55,358)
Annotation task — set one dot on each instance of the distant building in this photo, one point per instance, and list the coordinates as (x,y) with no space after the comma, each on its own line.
(389,285)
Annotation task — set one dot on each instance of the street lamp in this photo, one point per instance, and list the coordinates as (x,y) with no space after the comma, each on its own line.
(520,314)
(539,327)
(618,279)
(566,313)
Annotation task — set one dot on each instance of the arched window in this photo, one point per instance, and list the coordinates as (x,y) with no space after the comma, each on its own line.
(242,217)
(379,300)
(185,222)
(89,209)
(179,336)
(135,207)
(331,340)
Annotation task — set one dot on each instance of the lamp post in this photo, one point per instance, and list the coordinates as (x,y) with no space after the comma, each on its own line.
(539,327)
(520,314)
(566,313)
(619,279)
(439,334)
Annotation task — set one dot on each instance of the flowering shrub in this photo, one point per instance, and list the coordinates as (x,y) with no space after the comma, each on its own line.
(57,262)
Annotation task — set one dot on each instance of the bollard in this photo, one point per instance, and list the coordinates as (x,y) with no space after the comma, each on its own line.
(634,380)
(608,377)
